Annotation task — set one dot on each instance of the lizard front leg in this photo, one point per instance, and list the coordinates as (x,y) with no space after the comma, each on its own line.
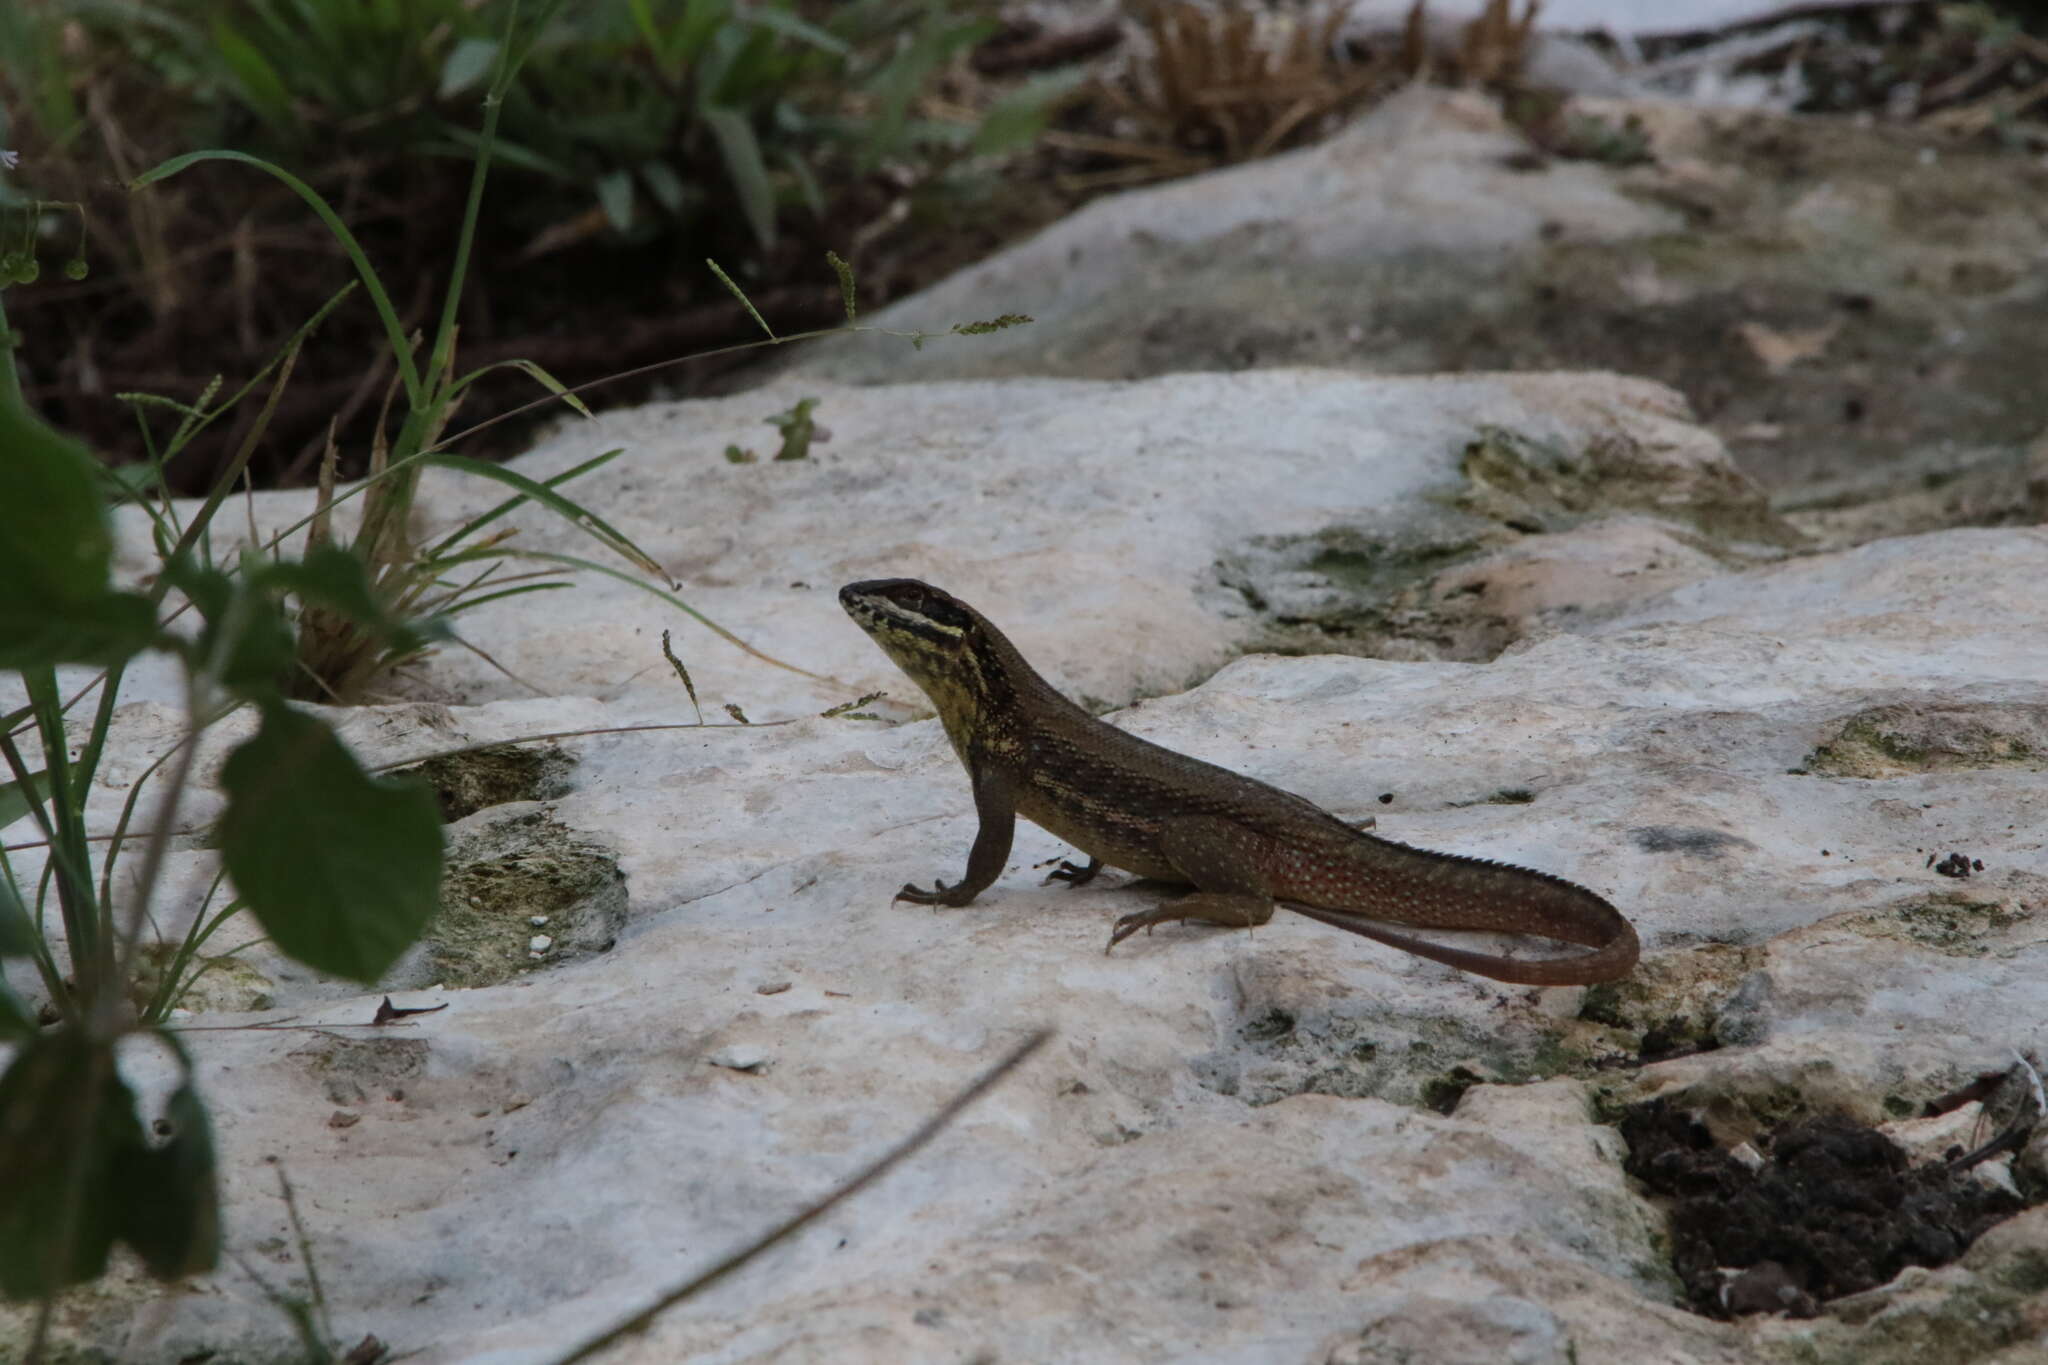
(1073,874)
(1221,859)
(996,805)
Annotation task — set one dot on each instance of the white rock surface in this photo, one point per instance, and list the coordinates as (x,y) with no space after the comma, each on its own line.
(1233,1149)
(1117,529)
(547,1154)
(1427,173)
(1853,308)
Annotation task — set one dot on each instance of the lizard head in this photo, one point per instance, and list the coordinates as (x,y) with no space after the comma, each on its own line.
(947,647)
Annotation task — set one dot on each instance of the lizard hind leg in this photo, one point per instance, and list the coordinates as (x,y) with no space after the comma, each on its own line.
(1220,858)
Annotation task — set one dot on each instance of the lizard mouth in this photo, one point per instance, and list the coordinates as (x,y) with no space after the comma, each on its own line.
(859,604)
(905,607)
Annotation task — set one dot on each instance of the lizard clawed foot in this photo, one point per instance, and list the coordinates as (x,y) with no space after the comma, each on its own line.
(1073,874)
(935,896)
(1131,924)
(1231,909)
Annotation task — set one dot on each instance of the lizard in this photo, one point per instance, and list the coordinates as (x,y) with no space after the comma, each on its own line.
(1242,844)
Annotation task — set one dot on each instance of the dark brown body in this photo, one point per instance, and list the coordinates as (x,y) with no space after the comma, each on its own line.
(1242,844)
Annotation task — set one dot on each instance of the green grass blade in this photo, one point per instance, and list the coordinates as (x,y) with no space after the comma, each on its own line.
(454,607)
(394,331)
(533,371)
(509,57)
(468,62)
(573,512)
(615,197)
(845,274)
(790,26)
(745,302)
(741,151)
(678,603)
(17,797)
(262,89)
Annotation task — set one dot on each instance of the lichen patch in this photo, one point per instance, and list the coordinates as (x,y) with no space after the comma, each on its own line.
(521,892)
(1919,737)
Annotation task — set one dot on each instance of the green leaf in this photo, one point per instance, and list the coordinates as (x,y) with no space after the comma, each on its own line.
(469,61)
(14,1017)
(107,629)
(807,187)
(337,579)
(1020,115)
(245,636)
(665,185)
(651,34)
(701,20)
(742,153)
(467,145)
(56,607)
(784,22)
(18,937)
(343,870)
(169,1203)
(133,480)
(900,80)
(16,800)
(66,1118)
(615,196)
(797,428)
(263,90)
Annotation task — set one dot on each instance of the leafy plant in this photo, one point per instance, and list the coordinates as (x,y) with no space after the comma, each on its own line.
(1218,84)
(637,104)
(341,867)
(82,1174)
(337,658)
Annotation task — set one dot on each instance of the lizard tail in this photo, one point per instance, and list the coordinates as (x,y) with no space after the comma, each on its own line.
(1609,961)
(1385,881)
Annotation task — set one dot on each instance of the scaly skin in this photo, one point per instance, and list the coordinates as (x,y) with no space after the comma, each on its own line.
(1242,844)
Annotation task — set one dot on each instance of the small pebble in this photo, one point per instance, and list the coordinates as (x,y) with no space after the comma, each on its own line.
(740,1057)
(343,1118)
(539,943)
(772,988)
(538,921)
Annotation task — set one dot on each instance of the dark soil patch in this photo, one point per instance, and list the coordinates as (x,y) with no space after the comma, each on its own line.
(467,783)
(1834,1209)
(206,276)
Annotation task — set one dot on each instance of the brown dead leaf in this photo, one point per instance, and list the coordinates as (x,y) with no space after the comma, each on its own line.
(568,232)
(1780,351)
(387,1011)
